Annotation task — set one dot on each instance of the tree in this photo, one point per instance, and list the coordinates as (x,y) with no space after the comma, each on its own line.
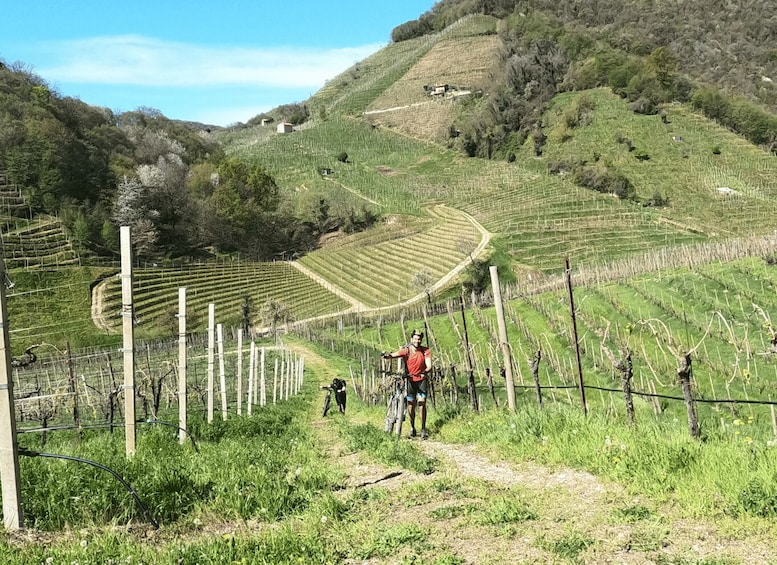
(663,63)
(274,311)
(242,208)
(423,280)
(132,208)
(477,277)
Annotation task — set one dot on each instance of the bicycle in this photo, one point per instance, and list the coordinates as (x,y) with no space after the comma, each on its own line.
(338,388)
(327,401)
(395,411)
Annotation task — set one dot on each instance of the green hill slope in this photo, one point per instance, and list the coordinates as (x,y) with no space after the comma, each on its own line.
(397,136)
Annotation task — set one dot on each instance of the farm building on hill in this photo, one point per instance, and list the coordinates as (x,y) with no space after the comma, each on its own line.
(285,127)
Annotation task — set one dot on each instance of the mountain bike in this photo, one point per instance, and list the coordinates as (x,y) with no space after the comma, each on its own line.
(327,400)
(395,411)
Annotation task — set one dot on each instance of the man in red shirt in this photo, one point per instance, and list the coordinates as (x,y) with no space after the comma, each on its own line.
(418,363)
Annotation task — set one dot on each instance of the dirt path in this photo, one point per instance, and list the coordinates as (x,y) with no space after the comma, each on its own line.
(571,508)
(355,304)
(98,318)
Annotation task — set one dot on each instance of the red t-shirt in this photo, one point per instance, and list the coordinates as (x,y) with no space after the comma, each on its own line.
(415,360)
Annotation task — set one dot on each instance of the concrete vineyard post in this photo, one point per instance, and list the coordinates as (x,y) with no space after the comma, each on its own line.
(211,357)
(239,371)
(503,343)
(182,363)
(9,455)
(128,333)
(222,374)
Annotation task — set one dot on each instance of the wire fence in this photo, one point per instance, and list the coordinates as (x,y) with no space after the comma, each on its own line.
(83,390)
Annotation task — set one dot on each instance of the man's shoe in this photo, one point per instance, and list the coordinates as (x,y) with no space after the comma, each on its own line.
(424,434)
(412,432)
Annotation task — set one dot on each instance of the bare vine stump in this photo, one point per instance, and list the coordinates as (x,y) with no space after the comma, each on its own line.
(454,386)
(534,365)
(473,394)
(684,371)
(627,372)
(491,386)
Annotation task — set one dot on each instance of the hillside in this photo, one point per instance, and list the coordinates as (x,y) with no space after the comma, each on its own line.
(518,120)
(685,171)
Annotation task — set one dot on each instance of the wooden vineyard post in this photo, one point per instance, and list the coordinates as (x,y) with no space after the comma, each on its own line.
(182,363)
(627,374)
(684,371)
(503,343)
(9,453)
(473,393)
(71,386)
(128,320)
(581,385)
(211,357)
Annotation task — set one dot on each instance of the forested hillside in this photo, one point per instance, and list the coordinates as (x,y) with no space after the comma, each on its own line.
(170,181)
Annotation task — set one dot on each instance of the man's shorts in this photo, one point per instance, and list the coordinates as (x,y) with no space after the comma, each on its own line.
(416,389)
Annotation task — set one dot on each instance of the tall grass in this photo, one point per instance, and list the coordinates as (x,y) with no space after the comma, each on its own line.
(717,477)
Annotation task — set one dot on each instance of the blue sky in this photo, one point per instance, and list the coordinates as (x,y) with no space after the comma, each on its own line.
(212,61)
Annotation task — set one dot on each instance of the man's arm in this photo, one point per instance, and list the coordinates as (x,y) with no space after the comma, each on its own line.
(390,355)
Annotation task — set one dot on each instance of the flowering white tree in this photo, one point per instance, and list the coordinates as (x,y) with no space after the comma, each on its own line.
(132,209)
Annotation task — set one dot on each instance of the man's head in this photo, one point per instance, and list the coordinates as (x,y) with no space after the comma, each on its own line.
(416,337)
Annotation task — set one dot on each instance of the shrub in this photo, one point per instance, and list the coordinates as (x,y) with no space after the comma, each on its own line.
(605,181)
(643,106)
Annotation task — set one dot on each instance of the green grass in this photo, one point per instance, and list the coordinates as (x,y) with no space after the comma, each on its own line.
(53,307)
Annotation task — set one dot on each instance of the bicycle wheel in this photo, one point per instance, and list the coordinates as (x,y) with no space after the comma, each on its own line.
(327,402)
(400,414)
(391,416)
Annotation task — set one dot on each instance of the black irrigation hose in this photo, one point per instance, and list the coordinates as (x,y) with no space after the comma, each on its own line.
(184,430)
(141,506)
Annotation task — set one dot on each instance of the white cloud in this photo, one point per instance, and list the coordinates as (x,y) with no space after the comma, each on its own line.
(142,61)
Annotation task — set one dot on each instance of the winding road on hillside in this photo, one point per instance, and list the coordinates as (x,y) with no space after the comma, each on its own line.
(356,306)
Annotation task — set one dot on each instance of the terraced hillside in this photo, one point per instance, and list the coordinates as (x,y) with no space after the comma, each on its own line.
(401,260)
(37,244)
(424,102)
(360,88)
(714,184)
(30,244)
(227,285)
